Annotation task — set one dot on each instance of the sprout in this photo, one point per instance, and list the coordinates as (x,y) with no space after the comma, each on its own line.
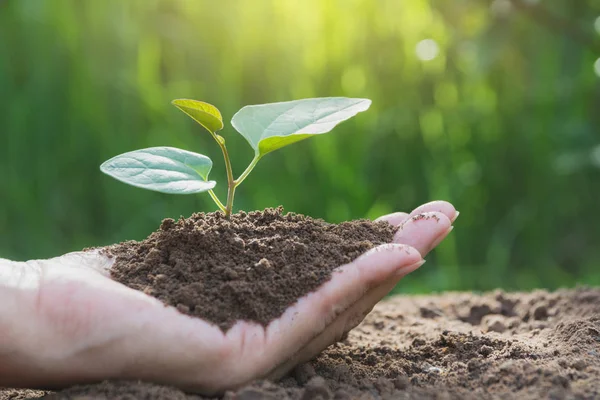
(266,127)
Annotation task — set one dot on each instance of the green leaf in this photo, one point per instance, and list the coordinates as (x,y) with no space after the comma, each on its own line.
(268,127)
(205,114)
(162,169)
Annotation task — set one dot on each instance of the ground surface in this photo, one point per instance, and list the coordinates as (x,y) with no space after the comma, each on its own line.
(464,346)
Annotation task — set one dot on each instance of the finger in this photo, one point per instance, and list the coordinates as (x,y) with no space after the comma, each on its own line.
(394,219)
(312,313)
(440,206)
(424,231)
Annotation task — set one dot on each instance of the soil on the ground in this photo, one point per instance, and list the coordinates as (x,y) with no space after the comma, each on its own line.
(251,267)
(498,345)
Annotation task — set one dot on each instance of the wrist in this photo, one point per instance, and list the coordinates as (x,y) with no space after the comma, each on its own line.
(19,326)
(47,337)
(16,279)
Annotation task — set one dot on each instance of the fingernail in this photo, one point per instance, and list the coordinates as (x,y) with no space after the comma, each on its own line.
(455,216)
(408,269)
(440,238)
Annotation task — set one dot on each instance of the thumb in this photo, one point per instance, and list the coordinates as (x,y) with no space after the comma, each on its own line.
(322,317)
(349,283)
(95,260)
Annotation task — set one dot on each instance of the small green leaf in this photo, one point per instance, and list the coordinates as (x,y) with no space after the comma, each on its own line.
(268,127)
(220,139)
(205,114)
(162,169)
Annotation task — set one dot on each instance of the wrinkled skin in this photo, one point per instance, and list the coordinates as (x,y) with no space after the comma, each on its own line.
(63,321)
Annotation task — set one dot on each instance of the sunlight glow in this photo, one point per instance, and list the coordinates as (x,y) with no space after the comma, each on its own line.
(597,67)
(595,156)
(427,50)
(501,7)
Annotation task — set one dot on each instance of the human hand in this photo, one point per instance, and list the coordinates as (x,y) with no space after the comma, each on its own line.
(64,321)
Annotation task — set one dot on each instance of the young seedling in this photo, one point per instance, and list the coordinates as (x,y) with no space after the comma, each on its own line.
(266,127)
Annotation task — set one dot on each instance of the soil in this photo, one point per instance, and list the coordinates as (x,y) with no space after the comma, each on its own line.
(251,267)
(498,345)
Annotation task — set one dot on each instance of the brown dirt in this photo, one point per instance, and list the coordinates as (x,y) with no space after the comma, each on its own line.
(250,267)
(498,345)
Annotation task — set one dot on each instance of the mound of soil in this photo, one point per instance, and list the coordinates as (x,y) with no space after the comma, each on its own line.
(453,346)
(251,267)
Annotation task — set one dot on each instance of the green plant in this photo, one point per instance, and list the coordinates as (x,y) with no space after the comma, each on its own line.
(266,127)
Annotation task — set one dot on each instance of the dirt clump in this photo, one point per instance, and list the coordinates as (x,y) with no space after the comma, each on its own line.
(252,266)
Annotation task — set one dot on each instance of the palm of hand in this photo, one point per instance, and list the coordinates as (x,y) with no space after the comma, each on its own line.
(90,328)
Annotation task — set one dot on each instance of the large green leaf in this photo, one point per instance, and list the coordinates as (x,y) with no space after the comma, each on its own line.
(162,169)
(205,114)
(268,127)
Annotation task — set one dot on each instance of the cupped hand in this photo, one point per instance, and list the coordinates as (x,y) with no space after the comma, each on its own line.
(64,321)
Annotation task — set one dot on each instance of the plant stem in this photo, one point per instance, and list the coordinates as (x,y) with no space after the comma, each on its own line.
(230,194)
(230,181)
(232,184)
(245,174)
(216,200)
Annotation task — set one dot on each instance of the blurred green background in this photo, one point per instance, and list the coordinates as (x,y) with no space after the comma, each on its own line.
(492,105)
